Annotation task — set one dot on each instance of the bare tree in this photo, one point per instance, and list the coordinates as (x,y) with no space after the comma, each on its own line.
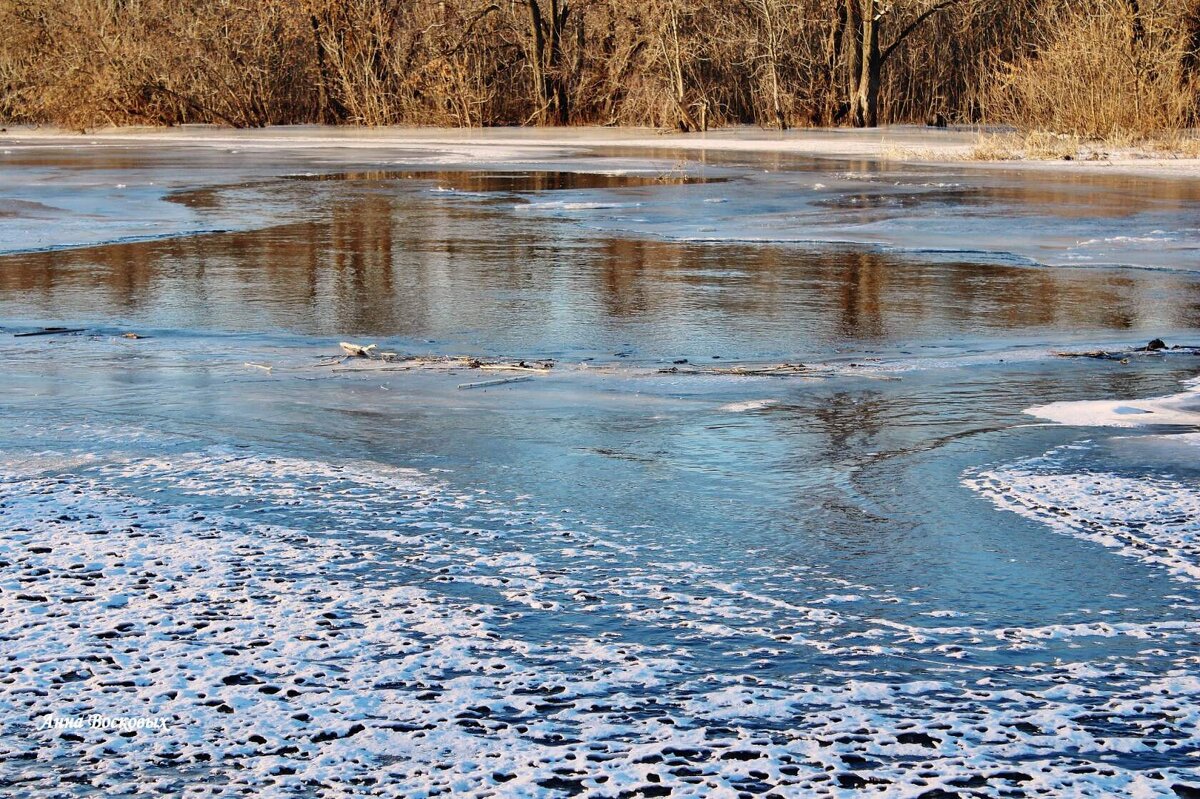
(768,11)
(551,73)
(871,17)
(686,64)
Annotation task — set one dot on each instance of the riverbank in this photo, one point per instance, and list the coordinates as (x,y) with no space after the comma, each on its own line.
(901,143)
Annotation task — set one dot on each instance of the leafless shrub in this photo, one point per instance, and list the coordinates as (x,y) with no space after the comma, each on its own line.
(1104,70)
(1089,68)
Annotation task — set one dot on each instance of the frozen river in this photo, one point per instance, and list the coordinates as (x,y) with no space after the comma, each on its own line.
(635,574)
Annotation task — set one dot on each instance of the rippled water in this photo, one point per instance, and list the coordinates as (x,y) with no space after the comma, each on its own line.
(877,576)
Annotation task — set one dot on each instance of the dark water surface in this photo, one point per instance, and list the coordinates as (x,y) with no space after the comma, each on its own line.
(608,579)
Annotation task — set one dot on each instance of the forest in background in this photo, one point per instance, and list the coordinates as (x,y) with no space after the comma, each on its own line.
(1089,68)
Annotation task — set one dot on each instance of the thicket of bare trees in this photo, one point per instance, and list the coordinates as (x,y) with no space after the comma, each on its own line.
(1091,67)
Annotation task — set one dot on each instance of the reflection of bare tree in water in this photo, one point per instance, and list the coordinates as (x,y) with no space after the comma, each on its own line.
(360,253)
(863,283)
(849,420)
(401,267)
(631,273)
(529,181)
(820,438)
(378,261)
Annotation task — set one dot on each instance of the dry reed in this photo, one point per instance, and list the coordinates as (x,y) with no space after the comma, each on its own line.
(1087,69)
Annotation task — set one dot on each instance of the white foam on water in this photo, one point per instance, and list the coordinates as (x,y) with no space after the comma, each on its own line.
(581,205)
(357,629)
(1153,518)
(748,405)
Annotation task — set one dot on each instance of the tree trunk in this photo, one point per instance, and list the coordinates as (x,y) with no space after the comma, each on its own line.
(550,89)
(852,9)
(674,52)
(557,88)
(330,110)
(865,100)
(538,60)
(829,110)
(773,63)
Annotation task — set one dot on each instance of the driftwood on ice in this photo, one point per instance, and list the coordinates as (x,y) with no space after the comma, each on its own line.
(357,350)
(1155,347)
(50,331)
(367,358)
(489,383)
(750,370)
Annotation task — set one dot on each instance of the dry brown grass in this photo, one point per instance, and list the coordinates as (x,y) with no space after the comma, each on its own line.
(1059,65)
(1040,145)
(996,148)
(1105,69)
(88,62)
(1174,144)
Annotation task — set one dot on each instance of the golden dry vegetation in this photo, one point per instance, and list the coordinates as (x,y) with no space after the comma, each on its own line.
(1085,68)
